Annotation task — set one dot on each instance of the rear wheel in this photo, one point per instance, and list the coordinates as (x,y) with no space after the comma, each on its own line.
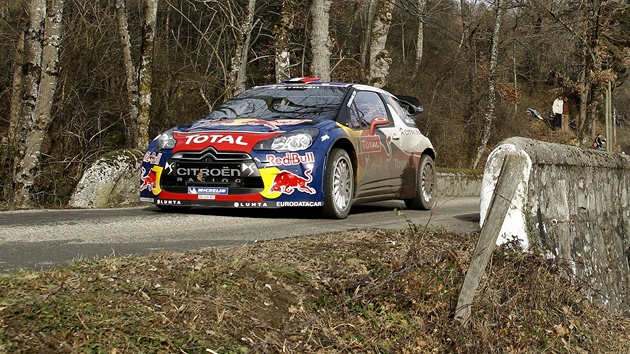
(338,185)
(425,185)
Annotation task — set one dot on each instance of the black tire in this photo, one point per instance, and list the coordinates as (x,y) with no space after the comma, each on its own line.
(172,208)
(425,185)
(338,185)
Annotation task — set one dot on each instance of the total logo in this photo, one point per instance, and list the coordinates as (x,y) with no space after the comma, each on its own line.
(214,138)
(369,144)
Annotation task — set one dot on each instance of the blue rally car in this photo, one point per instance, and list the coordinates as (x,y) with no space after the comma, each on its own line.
(301,143)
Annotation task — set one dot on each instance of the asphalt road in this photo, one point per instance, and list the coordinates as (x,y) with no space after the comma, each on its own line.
(37,239)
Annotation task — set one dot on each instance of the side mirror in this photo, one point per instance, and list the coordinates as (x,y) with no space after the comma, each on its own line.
(376,121)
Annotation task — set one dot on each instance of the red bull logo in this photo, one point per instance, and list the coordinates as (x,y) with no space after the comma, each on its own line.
(152,158)
(290,159)
(287,182)
(148,180)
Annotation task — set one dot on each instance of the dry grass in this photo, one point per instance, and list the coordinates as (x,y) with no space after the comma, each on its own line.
(363,291)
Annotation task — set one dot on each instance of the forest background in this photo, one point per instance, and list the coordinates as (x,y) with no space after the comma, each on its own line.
(80,78)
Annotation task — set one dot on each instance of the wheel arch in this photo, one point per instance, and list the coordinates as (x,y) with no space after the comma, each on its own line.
(346,145)
(429,152)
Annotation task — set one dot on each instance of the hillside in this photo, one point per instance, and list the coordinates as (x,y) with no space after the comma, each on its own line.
(363,291)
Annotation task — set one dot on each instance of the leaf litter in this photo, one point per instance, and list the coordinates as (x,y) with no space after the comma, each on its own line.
(358,291)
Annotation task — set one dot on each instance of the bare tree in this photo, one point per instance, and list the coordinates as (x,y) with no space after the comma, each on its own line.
(145,75)
(130,69)
(282,34)
(139,77)
(418,9)
(494,51)
(320,42)
(380,59)
(238,74)
(589,27)
(422,5)
(596,69)
(464,14)
(16,90)
(41,71)
(99,104)
(367,36)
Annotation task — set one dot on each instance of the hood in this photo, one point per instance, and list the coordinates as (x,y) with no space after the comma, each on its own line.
(245,125)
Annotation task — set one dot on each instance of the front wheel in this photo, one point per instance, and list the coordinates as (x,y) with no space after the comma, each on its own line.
(338,185)
(425,185)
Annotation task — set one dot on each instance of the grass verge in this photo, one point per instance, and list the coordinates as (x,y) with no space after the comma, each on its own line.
(360,291)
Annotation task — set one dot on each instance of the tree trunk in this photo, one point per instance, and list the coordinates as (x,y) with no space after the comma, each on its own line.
(487,121)
(593,80)
(320,43)
(422,4)
(16,86)
(9,142)
(4,9)
(238,75)
(145,76)
(140,79)
(584,87)
(465,17)
(380,59)
(42,43)
(16,92)
(130,70)
(367,35)
(282,31)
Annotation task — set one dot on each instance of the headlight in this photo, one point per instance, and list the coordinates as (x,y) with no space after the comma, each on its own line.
(165,140)
(292,141)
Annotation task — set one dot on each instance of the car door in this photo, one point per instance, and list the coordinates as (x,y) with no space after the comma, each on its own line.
(408,146)
(377,170)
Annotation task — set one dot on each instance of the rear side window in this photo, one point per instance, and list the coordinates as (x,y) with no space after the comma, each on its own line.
(402,113)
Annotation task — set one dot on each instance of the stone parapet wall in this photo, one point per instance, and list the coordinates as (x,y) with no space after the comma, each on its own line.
(458,184)
(572,204)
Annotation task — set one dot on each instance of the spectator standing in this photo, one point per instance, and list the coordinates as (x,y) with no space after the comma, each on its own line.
(566,112)
(557,109)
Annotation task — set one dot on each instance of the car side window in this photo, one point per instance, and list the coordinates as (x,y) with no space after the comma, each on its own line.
(364,108)
(403,113)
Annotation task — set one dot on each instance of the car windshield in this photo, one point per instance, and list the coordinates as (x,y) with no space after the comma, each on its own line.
(279,102)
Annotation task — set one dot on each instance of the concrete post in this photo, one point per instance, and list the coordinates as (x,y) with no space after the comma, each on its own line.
(508,181)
